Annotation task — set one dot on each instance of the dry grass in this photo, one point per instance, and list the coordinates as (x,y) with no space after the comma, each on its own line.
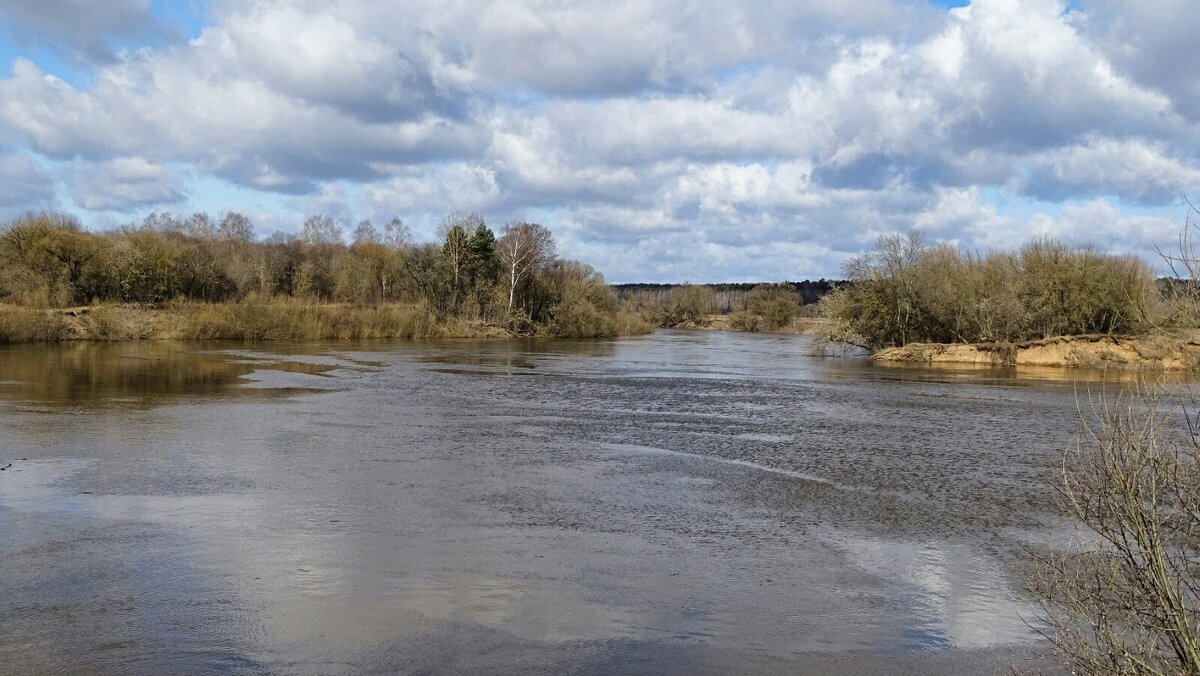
(297,320)
(262,319)
(32,325)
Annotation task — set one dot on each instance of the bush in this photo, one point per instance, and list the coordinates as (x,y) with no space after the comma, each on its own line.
(28,325)
(768,307)
(1127,600)
(905,291)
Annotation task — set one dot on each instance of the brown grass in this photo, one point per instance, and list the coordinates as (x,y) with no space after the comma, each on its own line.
(255,319)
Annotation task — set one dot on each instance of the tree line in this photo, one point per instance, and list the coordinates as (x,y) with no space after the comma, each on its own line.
(513,278)
(906,290)
(749,306)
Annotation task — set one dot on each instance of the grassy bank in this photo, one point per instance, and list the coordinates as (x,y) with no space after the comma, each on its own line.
(729,322)
(280,319)
(193,279)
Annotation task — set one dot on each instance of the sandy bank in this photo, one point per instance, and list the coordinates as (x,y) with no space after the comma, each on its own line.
(1160,351)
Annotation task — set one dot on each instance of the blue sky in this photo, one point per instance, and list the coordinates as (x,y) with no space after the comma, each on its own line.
(762,140)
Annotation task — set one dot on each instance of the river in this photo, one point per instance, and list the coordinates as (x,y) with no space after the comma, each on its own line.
(686,502)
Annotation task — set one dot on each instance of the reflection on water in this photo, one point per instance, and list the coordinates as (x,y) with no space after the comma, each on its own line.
(130,373)
(698,502)
(942,595)
(1025,375)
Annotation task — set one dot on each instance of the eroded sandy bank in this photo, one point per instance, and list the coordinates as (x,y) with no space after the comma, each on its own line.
(1158,351)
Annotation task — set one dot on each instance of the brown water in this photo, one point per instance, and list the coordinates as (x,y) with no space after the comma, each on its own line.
(679,503)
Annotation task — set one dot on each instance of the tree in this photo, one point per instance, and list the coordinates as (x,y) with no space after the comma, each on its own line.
(365,233)
(523,250)
(483,252)
(235,227)
(161,221)
(455,246)
(73,249)
(49,252)
(321,229)
(483,268)
(200,226)
(775,304)
(690,303)
(396,234)
(1127,600)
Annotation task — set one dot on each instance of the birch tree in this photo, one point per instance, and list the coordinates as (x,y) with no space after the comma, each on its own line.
(523,250)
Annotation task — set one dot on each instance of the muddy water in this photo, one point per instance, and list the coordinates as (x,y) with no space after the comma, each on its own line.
(679,503)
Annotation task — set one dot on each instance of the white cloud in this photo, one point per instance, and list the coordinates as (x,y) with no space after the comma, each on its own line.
(664,137)
(1132,168)
(124,184)
(24,186)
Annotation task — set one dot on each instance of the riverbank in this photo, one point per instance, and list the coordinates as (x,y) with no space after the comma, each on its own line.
(724,322)
(1154,352)
(274,320)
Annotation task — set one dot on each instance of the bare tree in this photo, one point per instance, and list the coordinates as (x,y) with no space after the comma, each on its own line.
(1127,600)
(523,250)
(235,227)
(200,226)
(396,234)
(365,233)
(321,229)
(161,221)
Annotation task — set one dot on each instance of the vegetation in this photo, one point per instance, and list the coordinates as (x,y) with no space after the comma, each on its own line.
(749,307)
(205,278)
(768,307)
(905,291)
(1127,600)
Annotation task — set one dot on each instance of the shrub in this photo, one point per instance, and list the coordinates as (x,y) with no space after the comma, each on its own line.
(905,291)
(1127,600)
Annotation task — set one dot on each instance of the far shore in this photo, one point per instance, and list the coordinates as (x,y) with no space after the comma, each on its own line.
(1159,351)
(295,320)
(724,322)
(278,319)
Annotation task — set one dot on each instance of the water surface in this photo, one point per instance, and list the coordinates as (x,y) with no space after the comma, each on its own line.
(683,502)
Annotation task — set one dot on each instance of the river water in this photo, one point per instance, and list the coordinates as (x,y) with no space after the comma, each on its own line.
(687,502)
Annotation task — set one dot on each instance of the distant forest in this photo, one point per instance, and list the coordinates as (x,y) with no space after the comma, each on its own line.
(729,297)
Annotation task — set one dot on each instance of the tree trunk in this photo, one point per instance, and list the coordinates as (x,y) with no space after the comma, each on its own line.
(512,286)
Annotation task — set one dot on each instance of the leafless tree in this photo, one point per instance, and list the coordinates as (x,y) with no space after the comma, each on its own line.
(321,229)
(200,226)
(523,250)
(1127,599)
(161,221)
(365,232)
(235,227)
(396,234)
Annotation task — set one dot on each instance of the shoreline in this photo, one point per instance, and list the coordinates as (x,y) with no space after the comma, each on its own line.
(287,320)
(1155,352)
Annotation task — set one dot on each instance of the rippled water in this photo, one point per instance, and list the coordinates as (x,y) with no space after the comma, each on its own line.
(683,502)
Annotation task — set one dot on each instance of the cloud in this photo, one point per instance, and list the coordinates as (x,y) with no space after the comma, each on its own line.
(24,186)
(82,27)
(1153,43)
(1129,168)
(659,138)
(124,184)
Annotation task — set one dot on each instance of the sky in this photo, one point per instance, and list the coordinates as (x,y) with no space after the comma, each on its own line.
(660,140)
